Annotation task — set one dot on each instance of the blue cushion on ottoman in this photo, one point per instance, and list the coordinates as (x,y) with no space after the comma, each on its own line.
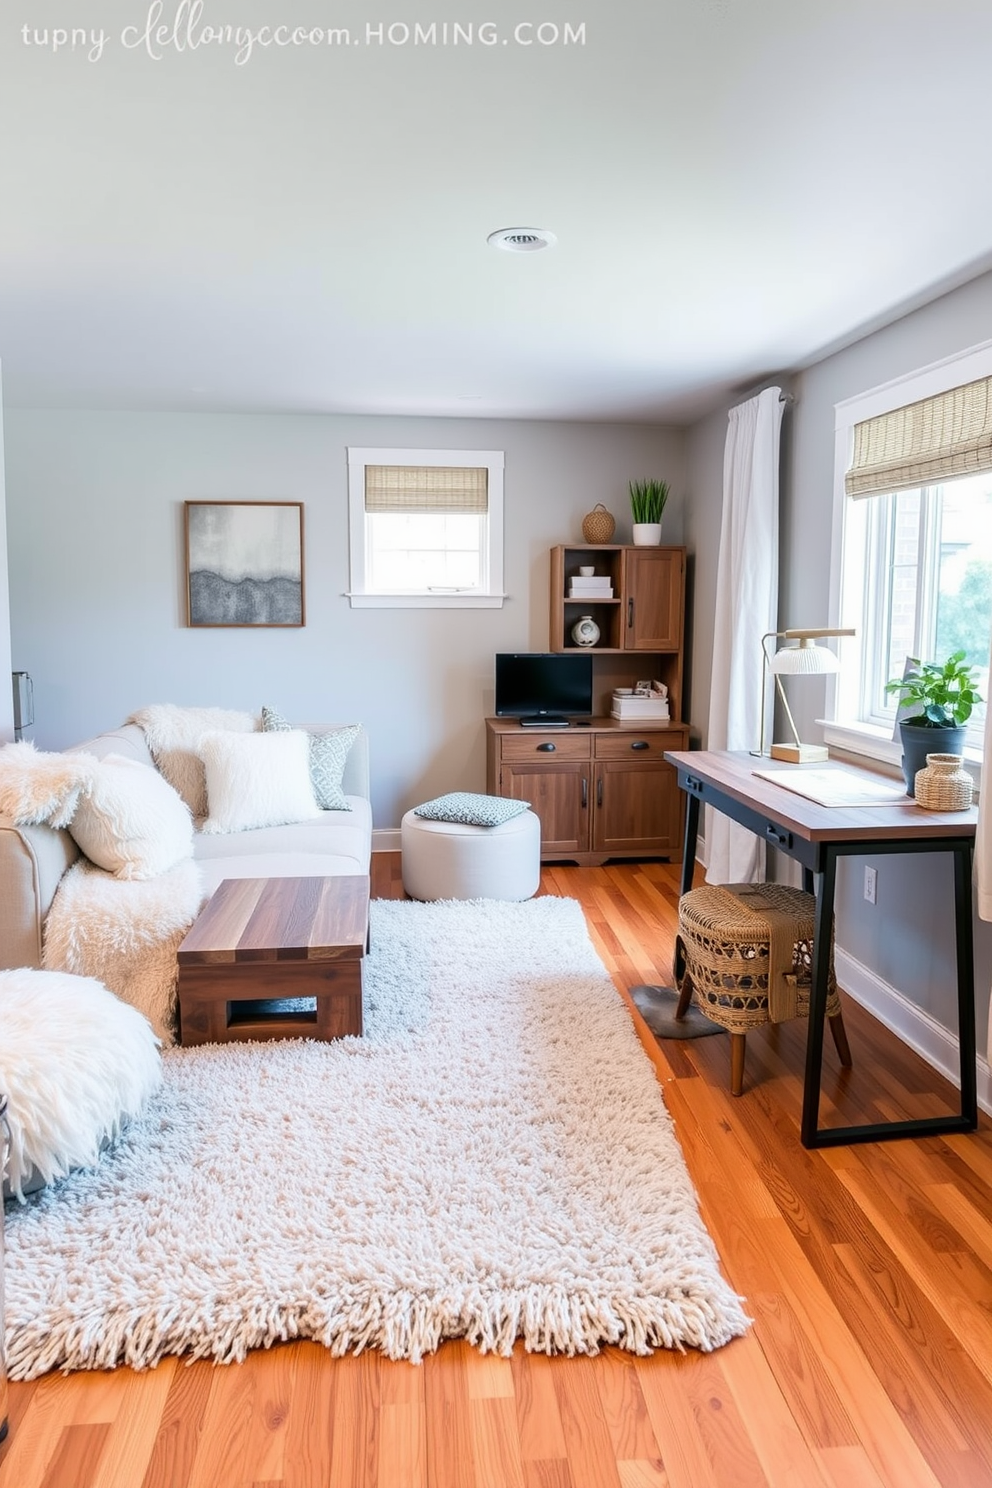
(471,810)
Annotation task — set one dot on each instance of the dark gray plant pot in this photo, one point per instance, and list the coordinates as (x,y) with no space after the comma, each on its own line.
(918,742)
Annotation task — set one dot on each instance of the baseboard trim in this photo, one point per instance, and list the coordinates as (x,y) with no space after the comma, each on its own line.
(386,839)
(930,1039)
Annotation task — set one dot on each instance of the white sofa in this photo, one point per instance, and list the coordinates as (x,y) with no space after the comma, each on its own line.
(33,859)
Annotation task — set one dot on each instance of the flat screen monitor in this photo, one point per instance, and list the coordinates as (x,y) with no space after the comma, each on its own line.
(543,685)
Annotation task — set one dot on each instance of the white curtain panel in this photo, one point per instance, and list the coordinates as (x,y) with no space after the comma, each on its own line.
(746,607)
(983,845)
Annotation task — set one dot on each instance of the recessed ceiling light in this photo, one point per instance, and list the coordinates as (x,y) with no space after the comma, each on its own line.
(522,239)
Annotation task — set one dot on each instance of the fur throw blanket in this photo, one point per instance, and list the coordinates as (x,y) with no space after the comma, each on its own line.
(173,736)
(75,1065)
(36,786)
(125,933)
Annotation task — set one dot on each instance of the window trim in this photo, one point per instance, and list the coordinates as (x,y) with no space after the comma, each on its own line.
(358,595)
(856,737)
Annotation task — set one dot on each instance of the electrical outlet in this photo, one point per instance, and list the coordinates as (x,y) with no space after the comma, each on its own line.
(871,884)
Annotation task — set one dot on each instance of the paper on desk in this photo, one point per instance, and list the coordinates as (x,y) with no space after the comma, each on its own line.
(835,787)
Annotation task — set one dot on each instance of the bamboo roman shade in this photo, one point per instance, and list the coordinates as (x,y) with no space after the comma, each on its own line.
(947,435)
(426,488)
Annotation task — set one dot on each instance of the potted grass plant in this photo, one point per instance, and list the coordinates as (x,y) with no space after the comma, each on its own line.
(937,699)
(647,502)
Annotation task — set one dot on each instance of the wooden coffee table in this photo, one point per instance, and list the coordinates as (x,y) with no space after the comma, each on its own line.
(259,941)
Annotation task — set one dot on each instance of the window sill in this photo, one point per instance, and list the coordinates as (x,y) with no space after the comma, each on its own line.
(426,601)
(877,744)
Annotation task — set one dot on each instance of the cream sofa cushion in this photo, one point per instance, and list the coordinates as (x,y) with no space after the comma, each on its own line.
(257,780)
(130,821)
(173,736)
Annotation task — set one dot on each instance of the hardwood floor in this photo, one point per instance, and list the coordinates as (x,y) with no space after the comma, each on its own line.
(867,1270)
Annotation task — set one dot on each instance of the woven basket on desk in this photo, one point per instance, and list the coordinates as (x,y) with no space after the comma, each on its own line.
(944,784)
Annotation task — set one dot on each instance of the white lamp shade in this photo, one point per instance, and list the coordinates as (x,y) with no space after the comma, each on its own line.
(808,660)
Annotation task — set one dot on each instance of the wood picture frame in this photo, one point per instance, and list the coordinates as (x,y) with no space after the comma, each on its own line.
(244,563)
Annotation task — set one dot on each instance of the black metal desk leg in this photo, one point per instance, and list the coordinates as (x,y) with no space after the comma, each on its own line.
(823,927)
(964,936)
(689,845)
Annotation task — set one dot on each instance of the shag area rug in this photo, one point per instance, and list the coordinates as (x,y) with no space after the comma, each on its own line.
(492,1160)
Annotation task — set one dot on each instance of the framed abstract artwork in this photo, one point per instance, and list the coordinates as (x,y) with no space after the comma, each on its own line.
(244,563)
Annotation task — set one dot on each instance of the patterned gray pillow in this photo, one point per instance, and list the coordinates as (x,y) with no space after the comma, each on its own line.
(472,810)
(328,755)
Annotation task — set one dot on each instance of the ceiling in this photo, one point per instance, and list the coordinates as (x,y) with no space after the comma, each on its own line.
(735,188)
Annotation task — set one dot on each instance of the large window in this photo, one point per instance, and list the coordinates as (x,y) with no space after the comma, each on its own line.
(426,528)
(915,558)
(926,556)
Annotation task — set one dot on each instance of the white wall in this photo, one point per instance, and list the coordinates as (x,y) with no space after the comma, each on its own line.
(6,693)
(95,505)
(905,942)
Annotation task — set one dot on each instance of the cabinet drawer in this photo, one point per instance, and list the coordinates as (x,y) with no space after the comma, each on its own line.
(637,744)
(559,744)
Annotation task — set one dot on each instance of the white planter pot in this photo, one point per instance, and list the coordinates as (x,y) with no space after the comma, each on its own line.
(647,534)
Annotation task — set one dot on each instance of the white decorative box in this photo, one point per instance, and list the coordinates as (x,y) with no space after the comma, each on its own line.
(630,708)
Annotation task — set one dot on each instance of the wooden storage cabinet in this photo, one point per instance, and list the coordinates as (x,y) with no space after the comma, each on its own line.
(652,591)
(602,791)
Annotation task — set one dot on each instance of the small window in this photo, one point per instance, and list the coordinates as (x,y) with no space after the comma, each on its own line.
(426,528)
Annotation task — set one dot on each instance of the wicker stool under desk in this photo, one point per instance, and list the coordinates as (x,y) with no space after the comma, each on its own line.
(745,952)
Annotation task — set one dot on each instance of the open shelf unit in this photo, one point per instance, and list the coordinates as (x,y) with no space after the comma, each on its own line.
(641,627)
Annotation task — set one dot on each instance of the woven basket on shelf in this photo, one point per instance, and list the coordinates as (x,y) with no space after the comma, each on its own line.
(598,526)
(944,784)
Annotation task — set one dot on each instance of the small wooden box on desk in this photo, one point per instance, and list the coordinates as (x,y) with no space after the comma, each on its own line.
(602,790)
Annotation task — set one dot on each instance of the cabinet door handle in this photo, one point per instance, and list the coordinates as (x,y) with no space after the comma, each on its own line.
(599,791)
(585,793)
(630,613)
(548,748)
(640,744)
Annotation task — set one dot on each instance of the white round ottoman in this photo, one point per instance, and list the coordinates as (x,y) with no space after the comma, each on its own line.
(450,860)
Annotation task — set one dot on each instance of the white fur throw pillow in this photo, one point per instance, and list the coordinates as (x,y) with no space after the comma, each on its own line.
(173,736)
(257,780)
(36,786)
(131,821)
(75,1065)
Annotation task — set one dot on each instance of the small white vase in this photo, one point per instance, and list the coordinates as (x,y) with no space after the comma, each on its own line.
(647,534)
(585,631)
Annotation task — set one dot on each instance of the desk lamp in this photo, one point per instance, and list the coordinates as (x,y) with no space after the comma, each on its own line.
(808,660)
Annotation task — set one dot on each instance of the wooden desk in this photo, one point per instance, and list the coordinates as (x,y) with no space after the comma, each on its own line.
(816,836)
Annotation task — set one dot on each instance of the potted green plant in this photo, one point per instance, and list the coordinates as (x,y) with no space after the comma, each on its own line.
(647,502)
(940,697)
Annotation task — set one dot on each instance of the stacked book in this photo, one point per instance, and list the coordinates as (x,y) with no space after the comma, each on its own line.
(639,708)
(596,587)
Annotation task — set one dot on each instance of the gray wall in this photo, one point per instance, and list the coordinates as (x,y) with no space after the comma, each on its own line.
(94,504)
(907,938)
